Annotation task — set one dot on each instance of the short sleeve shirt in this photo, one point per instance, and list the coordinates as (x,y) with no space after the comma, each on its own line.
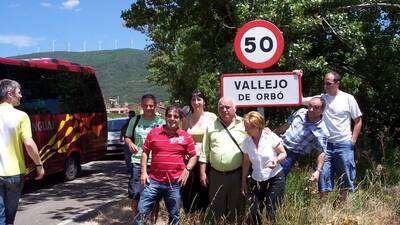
(219,149)
(142,129)
(168,153)
(15,127)
(339,111)
(263,154)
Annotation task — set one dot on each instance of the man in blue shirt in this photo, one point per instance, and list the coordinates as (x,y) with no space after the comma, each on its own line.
(305,130)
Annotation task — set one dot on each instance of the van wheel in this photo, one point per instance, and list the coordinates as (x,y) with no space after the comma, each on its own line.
(72,167)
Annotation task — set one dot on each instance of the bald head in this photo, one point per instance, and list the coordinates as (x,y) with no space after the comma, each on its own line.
(226,110)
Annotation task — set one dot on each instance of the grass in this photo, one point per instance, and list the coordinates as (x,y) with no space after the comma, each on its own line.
(373,203)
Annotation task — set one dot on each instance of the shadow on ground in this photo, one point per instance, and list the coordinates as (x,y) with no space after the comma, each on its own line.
(99,183)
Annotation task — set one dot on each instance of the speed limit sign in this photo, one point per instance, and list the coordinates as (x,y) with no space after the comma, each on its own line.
(258,44)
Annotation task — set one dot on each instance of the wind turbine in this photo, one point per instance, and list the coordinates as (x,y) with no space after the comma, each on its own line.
(99,44)
(84,46)
(54,41)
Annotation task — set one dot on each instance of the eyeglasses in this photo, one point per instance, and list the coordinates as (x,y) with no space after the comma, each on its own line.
(316,107)
(170,116)
(329,83)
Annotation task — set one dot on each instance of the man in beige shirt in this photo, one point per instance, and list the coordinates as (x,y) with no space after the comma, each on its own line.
(225,160)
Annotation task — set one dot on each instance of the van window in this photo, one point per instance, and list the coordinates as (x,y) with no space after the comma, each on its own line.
(116,125)
(55,92)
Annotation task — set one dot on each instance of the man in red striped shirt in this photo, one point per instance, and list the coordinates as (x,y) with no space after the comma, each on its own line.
(169,147)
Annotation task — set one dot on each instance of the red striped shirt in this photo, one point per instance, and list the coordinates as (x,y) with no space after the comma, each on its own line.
(168,153)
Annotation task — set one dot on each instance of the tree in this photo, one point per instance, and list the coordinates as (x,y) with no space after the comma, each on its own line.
(192,45)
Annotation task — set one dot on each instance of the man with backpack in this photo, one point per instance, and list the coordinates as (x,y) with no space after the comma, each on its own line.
(136,133)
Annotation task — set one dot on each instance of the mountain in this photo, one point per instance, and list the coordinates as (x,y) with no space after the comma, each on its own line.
(121,72)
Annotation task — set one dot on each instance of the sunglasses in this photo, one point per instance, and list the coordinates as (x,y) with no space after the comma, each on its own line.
(316,107)
(329,83)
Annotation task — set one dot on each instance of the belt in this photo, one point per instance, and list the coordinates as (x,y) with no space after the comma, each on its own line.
(227,172)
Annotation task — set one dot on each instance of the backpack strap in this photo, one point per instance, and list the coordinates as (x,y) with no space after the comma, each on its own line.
(134,127)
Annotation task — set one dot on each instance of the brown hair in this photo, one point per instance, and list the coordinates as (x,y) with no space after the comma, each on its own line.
(255,119)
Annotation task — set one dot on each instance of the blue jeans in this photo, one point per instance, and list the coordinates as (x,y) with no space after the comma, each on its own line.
(339,161)
(291,158)
(135,186)
(10,192)
(152,193)
(129,168)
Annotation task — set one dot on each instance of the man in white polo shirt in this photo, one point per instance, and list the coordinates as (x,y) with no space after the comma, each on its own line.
(340,109)
(15,130)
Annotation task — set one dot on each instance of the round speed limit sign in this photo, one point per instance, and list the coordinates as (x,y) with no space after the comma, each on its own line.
(258,44)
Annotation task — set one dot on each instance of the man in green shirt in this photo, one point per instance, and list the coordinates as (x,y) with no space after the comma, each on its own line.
(225,159)
(135,136)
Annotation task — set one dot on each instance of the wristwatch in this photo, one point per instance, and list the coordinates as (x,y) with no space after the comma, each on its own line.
(189,169)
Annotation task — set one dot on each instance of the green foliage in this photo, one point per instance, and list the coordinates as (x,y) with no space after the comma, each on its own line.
(192,46)
(120,72)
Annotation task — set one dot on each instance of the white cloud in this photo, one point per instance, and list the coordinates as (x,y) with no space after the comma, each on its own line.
(18,40)
(46,4)
(70,4)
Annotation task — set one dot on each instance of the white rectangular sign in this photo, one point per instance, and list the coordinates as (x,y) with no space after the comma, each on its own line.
(262,89)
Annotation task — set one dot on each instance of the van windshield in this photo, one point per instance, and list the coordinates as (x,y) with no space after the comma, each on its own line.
(116,125)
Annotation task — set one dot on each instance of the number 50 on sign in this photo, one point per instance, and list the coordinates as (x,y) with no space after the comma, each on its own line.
(258,44)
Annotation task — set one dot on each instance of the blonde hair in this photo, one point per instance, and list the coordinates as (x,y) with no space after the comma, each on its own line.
(255,119)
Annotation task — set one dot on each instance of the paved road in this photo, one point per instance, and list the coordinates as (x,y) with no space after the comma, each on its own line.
(54,202)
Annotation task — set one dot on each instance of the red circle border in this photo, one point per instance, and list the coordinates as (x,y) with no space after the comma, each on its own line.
(259,23)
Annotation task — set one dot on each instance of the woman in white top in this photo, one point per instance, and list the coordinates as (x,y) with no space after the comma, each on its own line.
(195,197)
(263,149)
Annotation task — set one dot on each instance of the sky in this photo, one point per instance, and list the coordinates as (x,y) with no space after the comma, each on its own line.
(30,26)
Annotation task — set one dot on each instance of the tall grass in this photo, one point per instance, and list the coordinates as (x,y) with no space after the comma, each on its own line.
(373,203)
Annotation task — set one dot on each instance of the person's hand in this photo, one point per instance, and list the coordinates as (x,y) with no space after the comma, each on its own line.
(133,148)
(272,164)
(144,178)
(203,179)
(315,176)
(299,72)
(244,188)
(353,142)
(39,172)
(183,177)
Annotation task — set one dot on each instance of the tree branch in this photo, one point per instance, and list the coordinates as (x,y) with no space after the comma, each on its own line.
(368,5)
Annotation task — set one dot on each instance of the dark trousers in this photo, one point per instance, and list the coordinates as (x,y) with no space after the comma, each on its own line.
(129,170)
(226,199)
(268,194)
(194,195)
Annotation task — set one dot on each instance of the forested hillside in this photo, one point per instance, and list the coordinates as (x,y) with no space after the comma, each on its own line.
(121,72)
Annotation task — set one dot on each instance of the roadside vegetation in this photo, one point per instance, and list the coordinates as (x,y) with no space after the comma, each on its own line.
(374,203)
